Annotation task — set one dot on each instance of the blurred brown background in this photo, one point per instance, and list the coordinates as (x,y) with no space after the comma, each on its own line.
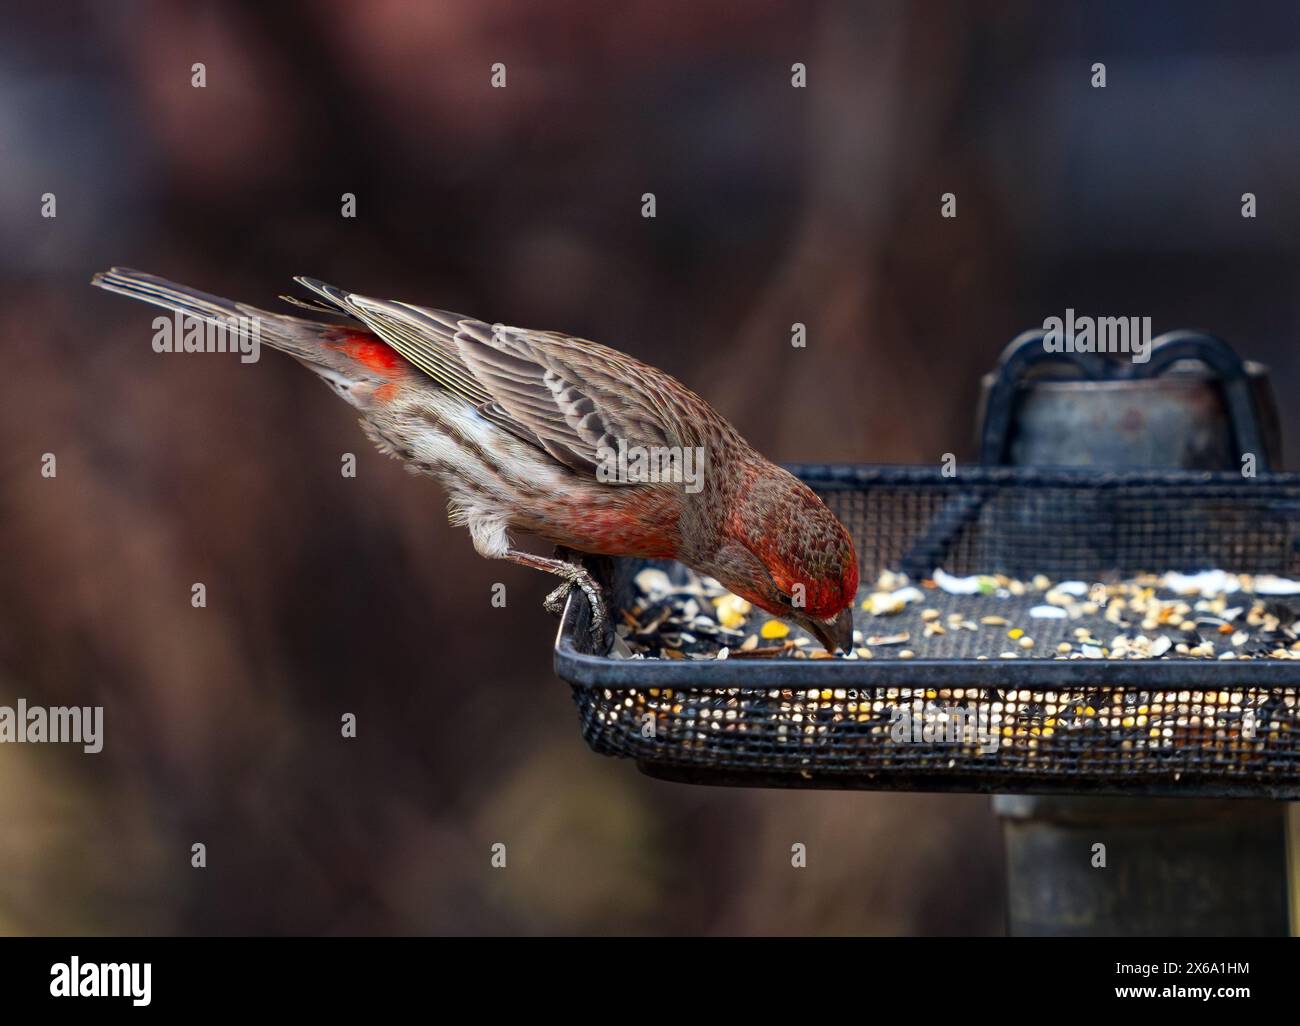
(328,595)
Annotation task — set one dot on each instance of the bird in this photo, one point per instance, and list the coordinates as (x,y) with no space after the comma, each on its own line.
(525,428)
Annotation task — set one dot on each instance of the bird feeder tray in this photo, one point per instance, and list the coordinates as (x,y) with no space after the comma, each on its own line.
(1214,711)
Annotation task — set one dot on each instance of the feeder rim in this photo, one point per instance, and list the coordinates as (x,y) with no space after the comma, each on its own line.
(587,669)
(858,474)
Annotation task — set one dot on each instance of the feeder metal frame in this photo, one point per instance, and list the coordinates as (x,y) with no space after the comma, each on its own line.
(1068,522)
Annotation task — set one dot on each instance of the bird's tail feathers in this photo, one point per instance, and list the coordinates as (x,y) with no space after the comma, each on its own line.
(293,335)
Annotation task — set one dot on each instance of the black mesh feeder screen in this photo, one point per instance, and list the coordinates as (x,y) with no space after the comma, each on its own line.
(1040,676)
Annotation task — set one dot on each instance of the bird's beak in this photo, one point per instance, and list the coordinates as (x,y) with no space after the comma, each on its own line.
(838,633)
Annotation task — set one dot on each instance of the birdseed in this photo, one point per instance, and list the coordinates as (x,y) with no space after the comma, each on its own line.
(1173,616)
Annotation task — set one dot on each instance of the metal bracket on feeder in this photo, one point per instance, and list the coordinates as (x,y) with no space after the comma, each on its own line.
(1208,867)
(1124,413)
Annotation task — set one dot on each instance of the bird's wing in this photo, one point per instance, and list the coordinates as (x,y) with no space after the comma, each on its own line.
(569,397)
(576,397)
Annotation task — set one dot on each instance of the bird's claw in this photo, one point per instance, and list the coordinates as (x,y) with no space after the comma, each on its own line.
(554,602)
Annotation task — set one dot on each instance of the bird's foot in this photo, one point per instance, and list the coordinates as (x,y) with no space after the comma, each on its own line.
(577,577)
(567,565)
(554,602)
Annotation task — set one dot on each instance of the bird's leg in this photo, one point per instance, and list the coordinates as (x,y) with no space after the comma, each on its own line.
(575,576)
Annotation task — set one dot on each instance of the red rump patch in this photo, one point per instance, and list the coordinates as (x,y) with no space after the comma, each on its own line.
(371,354)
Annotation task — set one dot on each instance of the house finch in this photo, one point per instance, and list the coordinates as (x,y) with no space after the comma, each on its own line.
(531,431)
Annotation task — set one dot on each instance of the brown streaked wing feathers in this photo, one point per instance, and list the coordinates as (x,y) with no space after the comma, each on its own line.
(575,396)
(565,395)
